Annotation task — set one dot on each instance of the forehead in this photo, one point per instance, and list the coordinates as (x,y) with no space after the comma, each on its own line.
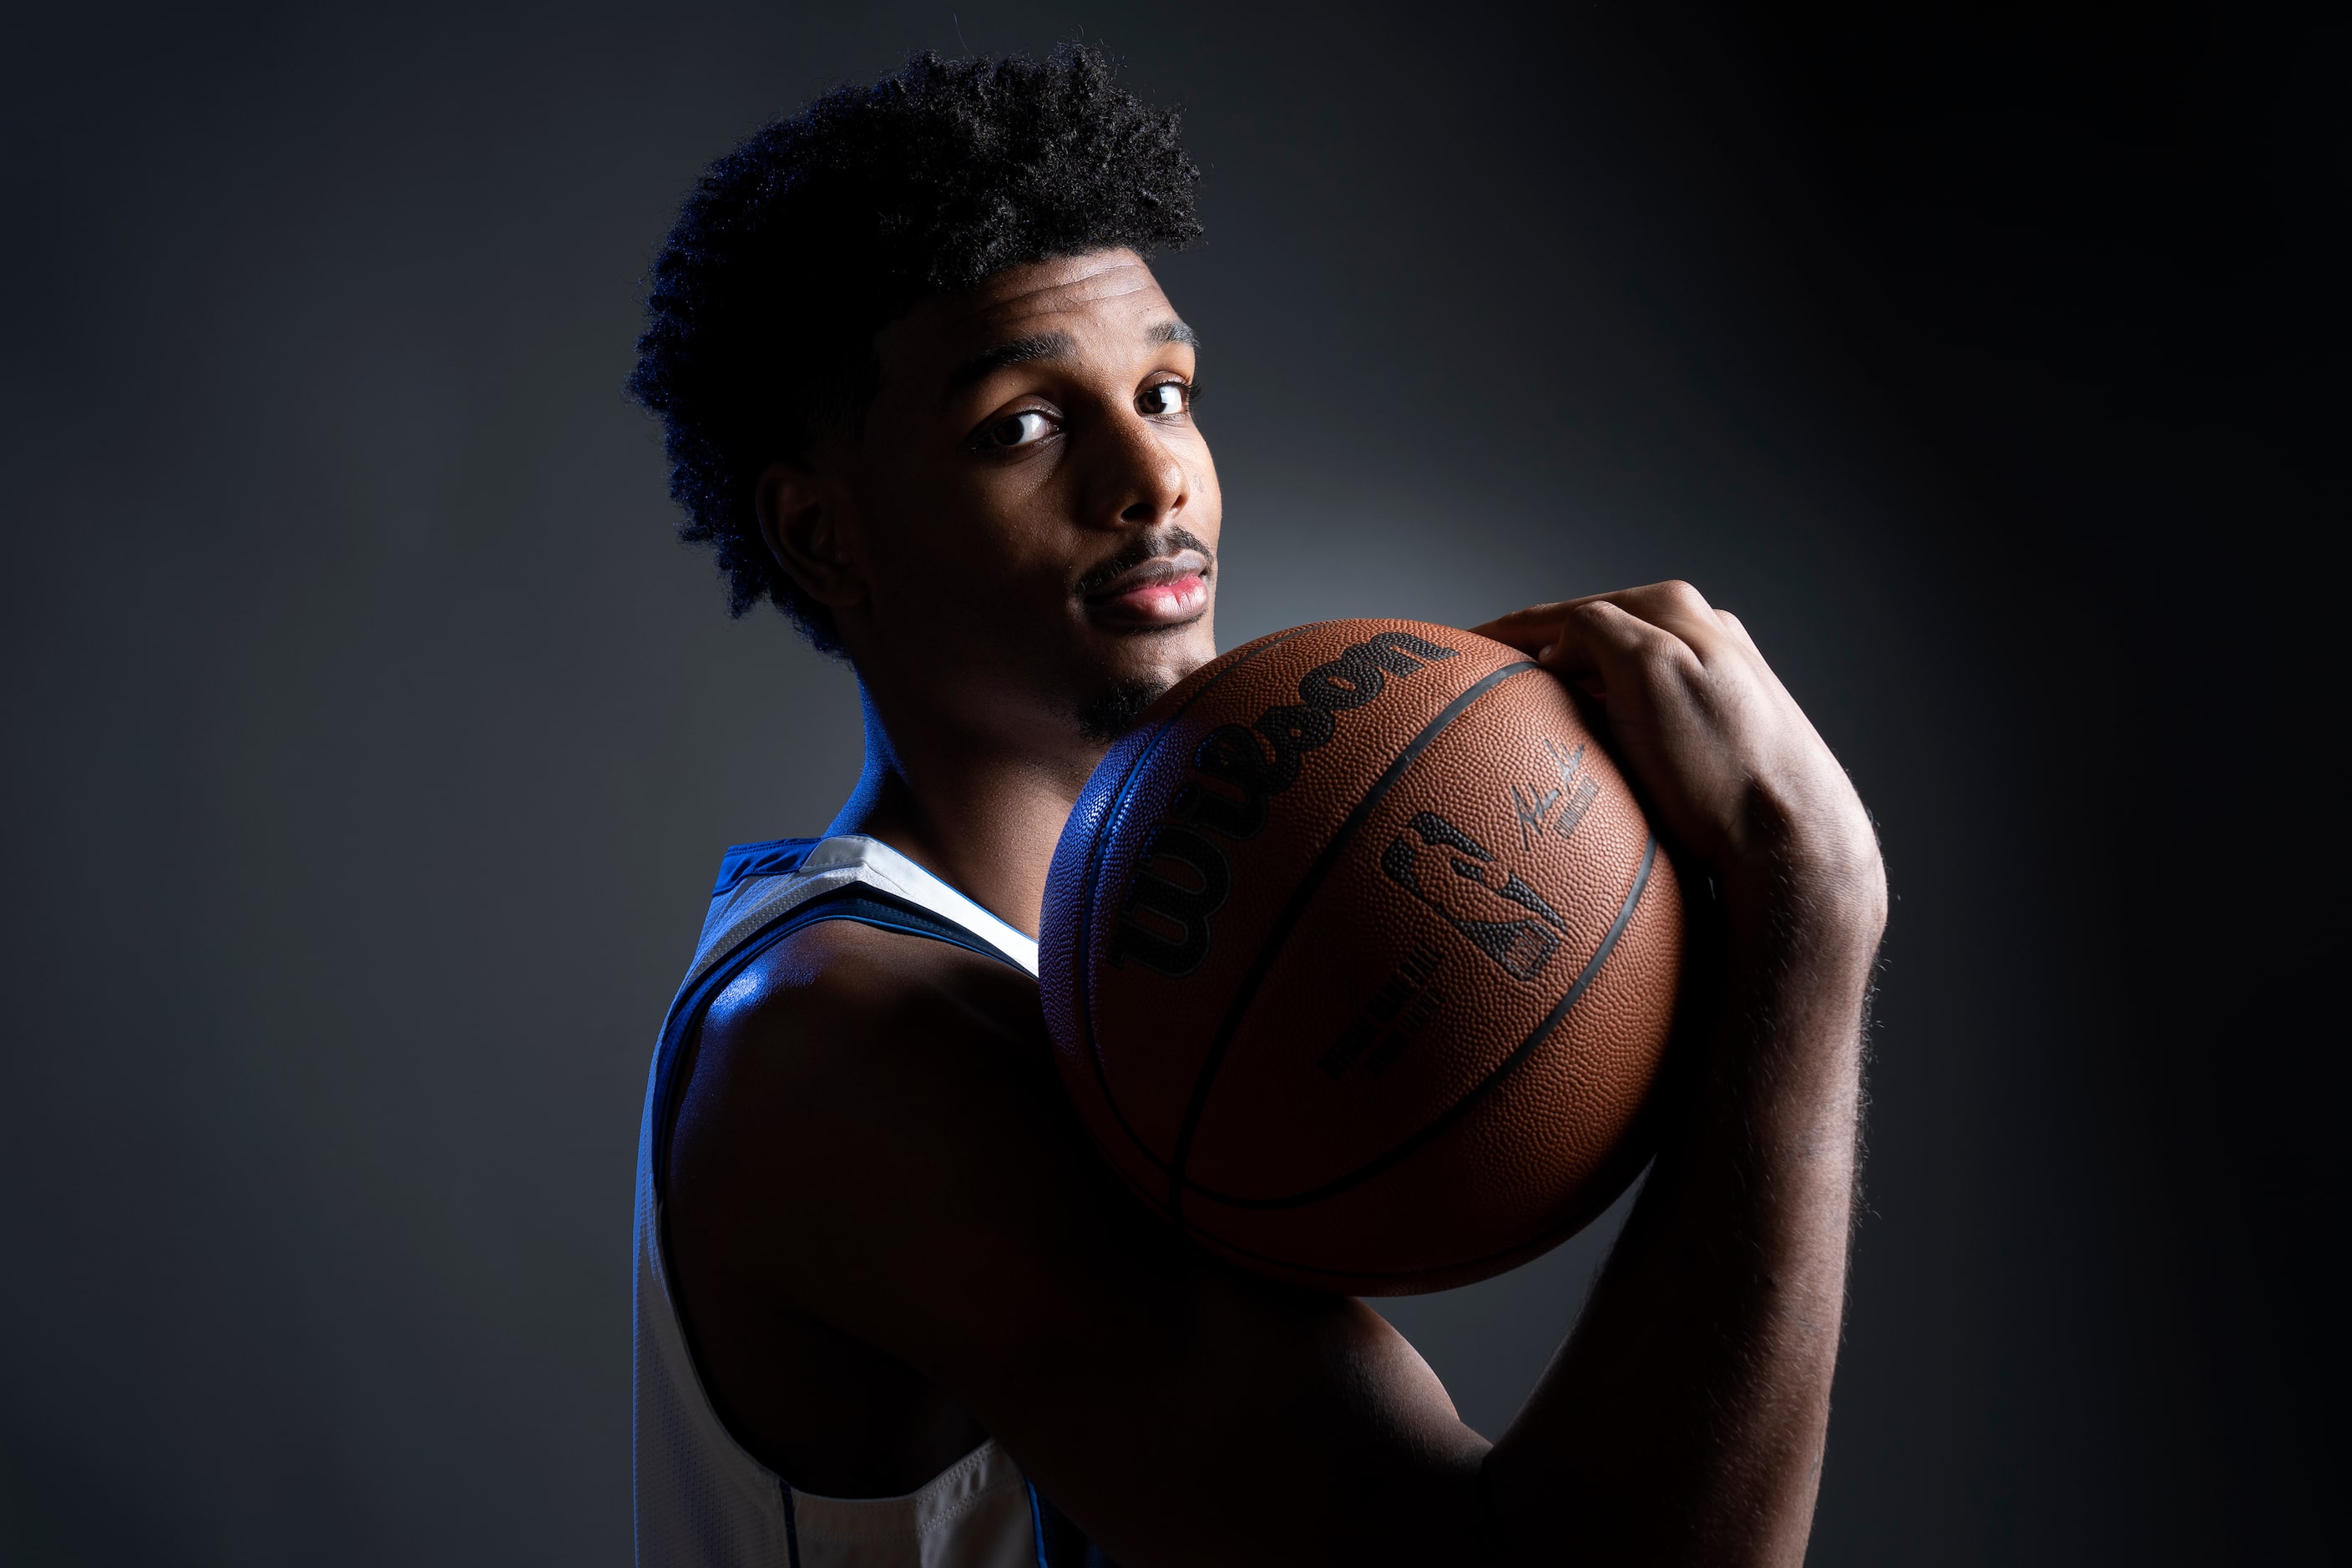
(1108,295)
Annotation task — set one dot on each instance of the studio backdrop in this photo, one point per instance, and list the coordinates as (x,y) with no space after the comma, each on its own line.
(371,741)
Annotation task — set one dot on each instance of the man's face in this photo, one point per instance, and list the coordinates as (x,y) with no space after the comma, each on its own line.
(1034,516)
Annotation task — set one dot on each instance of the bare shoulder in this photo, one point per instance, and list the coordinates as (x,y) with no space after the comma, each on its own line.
(838,988)
(881,1099)
(842,1033)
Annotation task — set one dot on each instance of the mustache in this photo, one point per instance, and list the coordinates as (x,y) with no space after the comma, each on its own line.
(1152,546)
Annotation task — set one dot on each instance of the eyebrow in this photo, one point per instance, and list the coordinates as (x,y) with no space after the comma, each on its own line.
(1018,351)
(1048,345)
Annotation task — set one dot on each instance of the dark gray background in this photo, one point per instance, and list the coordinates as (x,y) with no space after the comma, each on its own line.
(370,742)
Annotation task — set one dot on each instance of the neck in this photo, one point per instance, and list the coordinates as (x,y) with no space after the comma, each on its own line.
(983,817)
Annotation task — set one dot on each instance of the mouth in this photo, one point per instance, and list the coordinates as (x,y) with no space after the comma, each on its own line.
(1166,591)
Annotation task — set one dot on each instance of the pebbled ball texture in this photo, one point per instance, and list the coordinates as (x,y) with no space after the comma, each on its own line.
(1359,959)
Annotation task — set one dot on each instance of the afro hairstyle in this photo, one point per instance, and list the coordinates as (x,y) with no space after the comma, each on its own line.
(798,247)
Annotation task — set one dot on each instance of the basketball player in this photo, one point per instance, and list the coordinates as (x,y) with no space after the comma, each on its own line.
(923,392)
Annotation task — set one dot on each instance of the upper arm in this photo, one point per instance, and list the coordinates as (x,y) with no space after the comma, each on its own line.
(892,1107)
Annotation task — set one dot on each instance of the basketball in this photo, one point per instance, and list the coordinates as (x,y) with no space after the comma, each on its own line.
(1359,957)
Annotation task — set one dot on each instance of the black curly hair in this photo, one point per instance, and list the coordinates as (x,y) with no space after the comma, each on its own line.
(800,246)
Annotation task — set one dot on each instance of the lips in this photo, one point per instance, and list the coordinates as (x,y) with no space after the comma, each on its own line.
(1167,591)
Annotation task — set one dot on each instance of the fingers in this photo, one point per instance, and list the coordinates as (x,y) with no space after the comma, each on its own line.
(1674,607)
(1604,648)
(1529,630)
(1677,608)
(1584,641)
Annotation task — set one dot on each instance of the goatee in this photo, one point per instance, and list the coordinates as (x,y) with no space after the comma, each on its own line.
(1112,713)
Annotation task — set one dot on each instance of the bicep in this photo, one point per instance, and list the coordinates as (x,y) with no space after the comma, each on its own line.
(947,1209)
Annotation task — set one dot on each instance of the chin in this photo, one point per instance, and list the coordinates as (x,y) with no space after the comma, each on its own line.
(1134,671)
(1119,697)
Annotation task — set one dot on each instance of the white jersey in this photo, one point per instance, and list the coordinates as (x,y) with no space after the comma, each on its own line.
(702,1502)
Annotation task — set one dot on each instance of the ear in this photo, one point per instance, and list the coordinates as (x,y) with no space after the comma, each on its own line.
(805,518)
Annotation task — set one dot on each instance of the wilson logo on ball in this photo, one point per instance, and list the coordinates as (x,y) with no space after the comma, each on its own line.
(1181,878)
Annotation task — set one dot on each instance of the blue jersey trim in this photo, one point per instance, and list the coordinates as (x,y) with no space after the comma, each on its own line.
(1060,1543)
(744,862)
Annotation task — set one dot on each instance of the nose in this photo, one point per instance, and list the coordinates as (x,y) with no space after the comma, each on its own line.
(1139,482)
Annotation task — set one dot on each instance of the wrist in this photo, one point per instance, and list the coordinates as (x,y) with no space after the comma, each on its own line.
(1823,884)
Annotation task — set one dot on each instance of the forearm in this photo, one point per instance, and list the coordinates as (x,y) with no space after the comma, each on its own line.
(1685,1419)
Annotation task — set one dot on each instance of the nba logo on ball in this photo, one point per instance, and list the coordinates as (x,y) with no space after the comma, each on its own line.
(1359,959)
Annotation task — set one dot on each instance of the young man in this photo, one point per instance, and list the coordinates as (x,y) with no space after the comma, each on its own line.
(923,392)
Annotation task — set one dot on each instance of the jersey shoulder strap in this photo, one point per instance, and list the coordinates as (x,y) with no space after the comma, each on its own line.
(874,907)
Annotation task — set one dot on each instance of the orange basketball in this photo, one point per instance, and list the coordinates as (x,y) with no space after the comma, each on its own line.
(1359,958)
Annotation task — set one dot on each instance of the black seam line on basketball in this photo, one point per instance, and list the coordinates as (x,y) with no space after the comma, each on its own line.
(1503,1069)
(1542,1242)
(1081,970)
(1280,932)
(1615,1177)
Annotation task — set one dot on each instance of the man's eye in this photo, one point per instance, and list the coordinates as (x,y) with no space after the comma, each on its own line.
(1164,397)
(1019,429)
